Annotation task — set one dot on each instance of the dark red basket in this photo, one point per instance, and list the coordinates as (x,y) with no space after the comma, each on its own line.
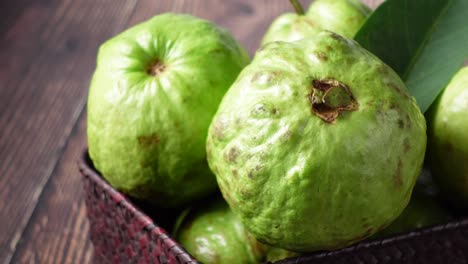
(123,231)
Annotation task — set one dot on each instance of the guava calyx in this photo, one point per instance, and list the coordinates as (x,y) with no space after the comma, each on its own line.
(329,97)
(155,68)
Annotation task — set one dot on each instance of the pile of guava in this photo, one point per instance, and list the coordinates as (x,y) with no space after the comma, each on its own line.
(314,144)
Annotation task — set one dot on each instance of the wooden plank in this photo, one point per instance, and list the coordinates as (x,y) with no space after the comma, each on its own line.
(22,41)
(40,106)
(57,232)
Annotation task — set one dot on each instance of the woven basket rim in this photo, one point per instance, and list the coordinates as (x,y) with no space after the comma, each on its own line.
(88,171)
(146,222)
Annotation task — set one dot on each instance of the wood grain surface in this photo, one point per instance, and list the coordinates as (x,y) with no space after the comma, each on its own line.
(47,56)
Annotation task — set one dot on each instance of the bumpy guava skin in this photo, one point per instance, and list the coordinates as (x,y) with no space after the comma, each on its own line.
(317,144)
(344,17)
(153,94)
(213,234)
(448,139)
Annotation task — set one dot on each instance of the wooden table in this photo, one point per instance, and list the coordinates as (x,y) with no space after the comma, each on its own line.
(47,55)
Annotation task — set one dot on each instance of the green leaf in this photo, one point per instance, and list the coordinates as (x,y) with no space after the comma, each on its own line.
(424,41)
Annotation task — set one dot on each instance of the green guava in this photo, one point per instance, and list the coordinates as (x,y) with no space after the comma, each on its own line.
(423,210)
(448,139)
(290,27)
(213,234)
(317,144)
(152,97)
(344,17)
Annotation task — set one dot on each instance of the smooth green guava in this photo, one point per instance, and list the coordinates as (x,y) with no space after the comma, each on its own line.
(213,234)
(448,139)
(344,17)
(153,94)
(317,144)
(290,27)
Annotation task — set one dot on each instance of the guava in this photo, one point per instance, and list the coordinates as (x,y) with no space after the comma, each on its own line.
(213,234)
(317,145)
(154,92)
(343,17)
(448,139)
(291,27)
(423,210)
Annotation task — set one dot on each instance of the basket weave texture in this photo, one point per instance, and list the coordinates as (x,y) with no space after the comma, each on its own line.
(122,233)
(119,231)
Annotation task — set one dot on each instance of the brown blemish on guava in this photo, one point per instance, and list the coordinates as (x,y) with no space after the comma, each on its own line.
(155,68)
(274,111)
(245,193)
(329,97)
(149,141)
(398,176)
(401,124)
(322,56)
(231,154)
(406,145)
(235,173)
(383,69)
(399,90)
(219,127)
(395,87)
(252,172)
(393,106)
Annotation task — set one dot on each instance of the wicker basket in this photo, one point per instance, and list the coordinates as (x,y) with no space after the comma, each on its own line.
(122,232)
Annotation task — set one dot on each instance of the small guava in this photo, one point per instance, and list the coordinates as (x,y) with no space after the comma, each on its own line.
(213,234)
(152,97)
(343,17)
(290,27)
(317,144)
(448,139)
